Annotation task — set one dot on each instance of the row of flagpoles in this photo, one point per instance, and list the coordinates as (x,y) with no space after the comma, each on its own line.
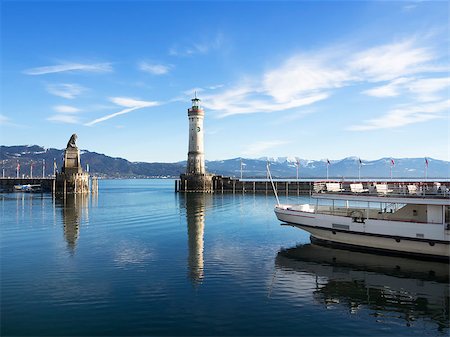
(55,168)
(360,163)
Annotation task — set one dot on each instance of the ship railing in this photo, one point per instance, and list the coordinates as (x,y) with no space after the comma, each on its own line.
(420,189)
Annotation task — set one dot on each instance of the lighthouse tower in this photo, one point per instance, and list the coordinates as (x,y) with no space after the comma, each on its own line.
(196,179)
(196,155)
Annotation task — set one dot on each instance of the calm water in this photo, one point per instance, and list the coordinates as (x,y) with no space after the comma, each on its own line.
(139,259)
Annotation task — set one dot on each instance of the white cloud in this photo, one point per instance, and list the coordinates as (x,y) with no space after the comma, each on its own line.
(66,109)
(61,118)
(305,79)
(298,82)
(390,61)
(405,115)
(391,89)
(4,120)
(260,148)
(65,90)
(427,89)
(301,75)
(131,104)
(205,46)
(64,67)
(155,69)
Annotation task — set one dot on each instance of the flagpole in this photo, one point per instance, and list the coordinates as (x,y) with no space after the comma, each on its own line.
(426,168)
(31,169)
(3,168)
(392,165)
(43,168)
(241,168)
(17,169)
(298,164)
(328,164)
(359,168)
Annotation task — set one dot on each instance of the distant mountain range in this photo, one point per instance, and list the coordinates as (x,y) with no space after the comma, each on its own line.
(280,167)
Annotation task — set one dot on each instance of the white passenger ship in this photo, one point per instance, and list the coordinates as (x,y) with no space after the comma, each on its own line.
(411,220)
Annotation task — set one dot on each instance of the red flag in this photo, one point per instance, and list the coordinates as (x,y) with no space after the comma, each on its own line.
(392,162)
(426,162)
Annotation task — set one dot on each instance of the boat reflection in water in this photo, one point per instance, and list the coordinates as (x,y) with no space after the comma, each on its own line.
(390,289)
(75,211)
(195,205)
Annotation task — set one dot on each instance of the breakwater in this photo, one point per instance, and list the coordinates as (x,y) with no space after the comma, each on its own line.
(223,184)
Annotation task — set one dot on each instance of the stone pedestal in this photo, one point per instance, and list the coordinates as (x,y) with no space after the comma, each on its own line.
(196,183)
(72,164)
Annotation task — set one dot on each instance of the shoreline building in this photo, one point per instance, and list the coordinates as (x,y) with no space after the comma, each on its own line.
(196,179)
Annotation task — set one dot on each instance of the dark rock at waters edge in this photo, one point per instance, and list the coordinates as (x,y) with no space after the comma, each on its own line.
(281,167)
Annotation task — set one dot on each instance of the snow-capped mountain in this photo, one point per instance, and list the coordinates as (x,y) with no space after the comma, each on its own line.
(280,167)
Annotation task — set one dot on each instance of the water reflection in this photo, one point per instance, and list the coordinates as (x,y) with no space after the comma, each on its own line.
(391,288)
(74,210)
(195,205)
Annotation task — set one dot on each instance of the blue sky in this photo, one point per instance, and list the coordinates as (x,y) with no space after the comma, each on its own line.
(297,78)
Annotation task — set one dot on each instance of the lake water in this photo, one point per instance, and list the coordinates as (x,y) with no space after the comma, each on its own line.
(139,259)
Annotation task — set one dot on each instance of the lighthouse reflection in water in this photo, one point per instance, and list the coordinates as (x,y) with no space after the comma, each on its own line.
(195,205)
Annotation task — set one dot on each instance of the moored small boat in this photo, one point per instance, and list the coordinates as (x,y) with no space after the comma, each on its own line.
(27,188)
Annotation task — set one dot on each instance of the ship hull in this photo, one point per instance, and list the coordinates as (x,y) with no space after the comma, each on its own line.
(399,238)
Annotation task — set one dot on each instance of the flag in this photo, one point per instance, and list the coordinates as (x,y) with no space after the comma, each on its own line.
(18,166)
(328,162)
(392,162)
(360,162)
(426,162)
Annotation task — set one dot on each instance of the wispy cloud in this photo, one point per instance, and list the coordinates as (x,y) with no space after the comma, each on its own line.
(425,89)
(307,78)
(70,67)
(261,148)
(391,89)
(65,90)
(155,69)
(130,104)
(66,114)
(405,115)
(204,46)
(428,89)
(4,120)
(66,109)
(300,81)
(63,118)
(390,61)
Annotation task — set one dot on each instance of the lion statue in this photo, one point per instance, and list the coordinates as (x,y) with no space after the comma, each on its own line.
(72,141)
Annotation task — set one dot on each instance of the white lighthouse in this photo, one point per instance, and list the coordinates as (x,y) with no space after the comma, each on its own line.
(196,155)
(196,179)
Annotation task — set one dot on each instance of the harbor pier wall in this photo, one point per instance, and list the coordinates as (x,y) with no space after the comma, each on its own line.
(221,184)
